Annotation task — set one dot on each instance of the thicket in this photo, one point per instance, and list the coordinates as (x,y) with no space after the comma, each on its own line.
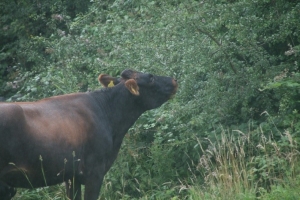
(233,128)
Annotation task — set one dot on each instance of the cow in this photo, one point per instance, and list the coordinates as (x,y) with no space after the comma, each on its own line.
(74,138)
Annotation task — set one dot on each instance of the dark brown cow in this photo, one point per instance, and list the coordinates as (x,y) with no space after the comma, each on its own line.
(75,136)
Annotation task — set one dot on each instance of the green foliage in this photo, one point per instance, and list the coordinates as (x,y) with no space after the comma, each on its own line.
(22,21)
(288,191)
(47,193)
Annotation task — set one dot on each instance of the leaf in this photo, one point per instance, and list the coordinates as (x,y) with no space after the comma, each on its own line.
(292,84)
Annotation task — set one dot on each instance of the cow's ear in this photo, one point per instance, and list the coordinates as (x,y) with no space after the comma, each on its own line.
(132,86)
(107,81)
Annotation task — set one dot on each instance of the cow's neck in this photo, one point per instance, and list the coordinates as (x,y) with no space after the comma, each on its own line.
(120,109)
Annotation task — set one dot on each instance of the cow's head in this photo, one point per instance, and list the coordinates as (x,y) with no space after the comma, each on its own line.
(150,91)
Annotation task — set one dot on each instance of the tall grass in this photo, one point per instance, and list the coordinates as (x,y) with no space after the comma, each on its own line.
(56,192)
(246,165)
(45,193)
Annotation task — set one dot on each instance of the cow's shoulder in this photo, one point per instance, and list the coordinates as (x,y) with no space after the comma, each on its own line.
(10,110)
(11,117)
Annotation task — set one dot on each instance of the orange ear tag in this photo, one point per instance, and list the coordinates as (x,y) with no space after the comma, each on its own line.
(111,84)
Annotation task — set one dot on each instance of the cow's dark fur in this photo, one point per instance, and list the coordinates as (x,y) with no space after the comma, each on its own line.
(74,136)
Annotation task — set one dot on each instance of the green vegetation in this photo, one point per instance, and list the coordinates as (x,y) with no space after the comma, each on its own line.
(231,132)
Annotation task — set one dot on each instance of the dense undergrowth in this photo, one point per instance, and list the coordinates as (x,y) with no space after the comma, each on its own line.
(231,132)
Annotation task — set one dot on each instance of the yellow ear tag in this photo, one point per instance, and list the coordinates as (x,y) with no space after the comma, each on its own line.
(111,84)
(133,90)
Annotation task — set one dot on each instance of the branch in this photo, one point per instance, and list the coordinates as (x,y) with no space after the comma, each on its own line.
(219,44)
